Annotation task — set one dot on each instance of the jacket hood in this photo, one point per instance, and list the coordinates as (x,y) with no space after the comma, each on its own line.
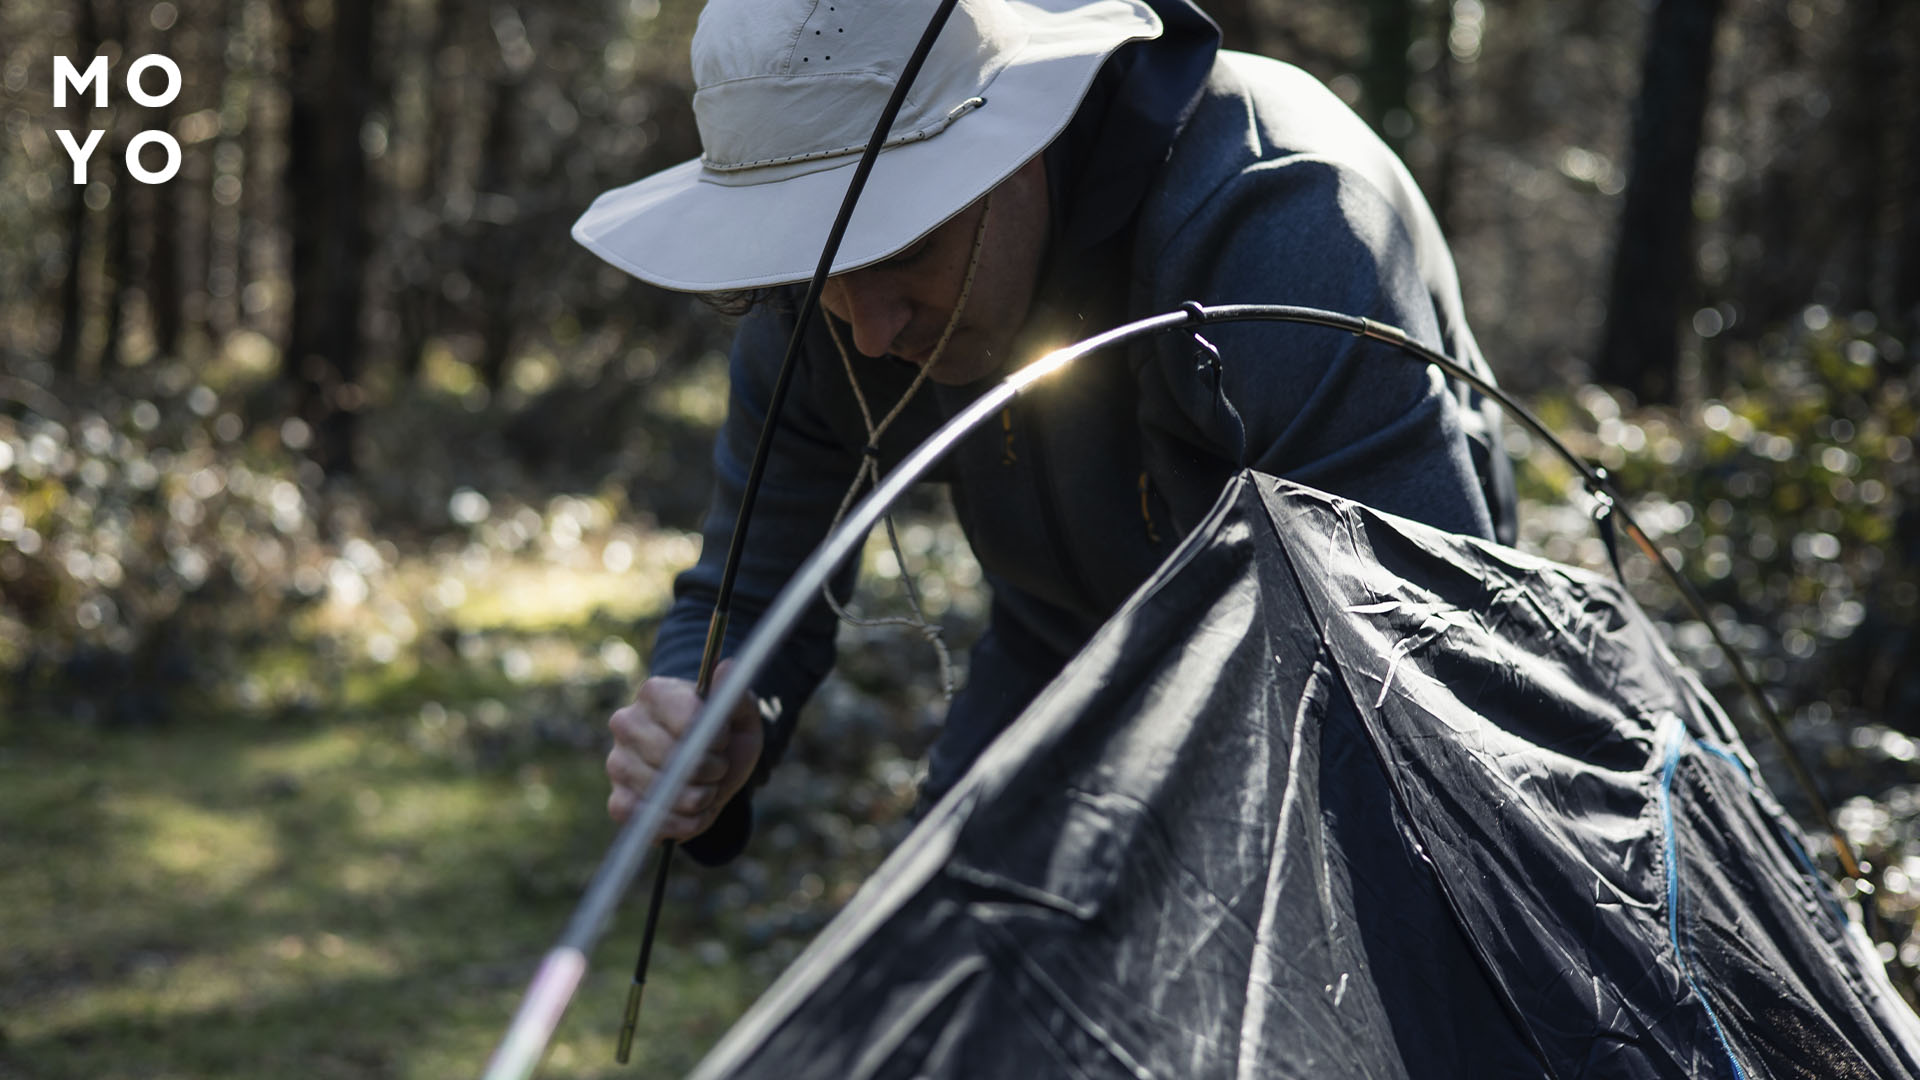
(1099,169)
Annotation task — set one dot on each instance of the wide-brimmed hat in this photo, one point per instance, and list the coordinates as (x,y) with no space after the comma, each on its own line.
(787,95)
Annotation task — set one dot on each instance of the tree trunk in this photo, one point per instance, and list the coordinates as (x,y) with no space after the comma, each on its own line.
(1906,273)
(444,97)
(221,233)
(1856,185)
(1239,26)
(1653,268)
(187,195)
(258,191)
(1446,167)
(80,121)
(1770,216)
(164,294)
(490,260)
(116,275)
(330,84)
(1385,78)
(417,300)
(116,261)
(306,193)
(1893,102)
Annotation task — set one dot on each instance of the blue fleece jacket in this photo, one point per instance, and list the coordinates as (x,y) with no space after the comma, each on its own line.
(1271,191)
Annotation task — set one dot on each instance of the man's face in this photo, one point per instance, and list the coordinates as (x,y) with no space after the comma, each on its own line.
(899,307)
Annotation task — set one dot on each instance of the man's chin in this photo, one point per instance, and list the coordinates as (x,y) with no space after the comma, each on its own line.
(960,369)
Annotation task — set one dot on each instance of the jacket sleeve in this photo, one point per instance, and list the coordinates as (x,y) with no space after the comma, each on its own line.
(1347,415)
(807,474)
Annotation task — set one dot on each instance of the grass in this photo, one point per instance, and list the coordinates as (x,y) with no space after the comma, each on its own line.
(331,901)
(361,886)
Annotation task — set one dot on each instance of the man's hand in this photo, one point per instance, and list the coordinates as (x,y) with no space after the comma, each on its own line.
(646,732)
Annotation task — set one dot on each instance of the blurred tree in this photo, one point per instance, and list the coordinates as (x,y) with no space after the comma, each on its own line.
(116,272)
(166,294)
(1905,103)
(1444,119)
(1907,175)
(201,41)
(228,100)
(1653,264)
(1823,203)
(330,79)
(421,206)
(263,159)
(1861,124)
(1385,78)
(86,44)
(493,253)
(1239,25)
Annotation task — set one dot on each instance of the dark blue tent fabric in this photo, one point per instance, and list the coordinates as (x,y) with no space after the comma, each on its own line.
(1338,795)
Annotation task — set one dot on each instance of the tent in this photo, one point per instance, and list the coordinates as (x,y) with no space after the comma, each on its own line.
(1337,795)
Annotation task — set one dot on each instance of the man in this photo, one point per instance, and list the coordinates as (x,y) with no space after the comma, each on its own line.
(1060,167)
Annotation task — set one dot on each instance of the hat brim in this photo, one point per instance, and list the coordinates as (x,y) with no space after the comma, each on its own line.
(681,230)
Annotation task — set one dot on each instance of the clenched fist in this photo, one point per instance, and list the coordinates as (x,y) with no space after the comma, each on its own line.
(645,734)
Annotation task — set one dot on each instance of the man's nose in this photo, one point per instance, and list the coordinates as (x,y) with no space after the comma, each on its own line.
(877,314)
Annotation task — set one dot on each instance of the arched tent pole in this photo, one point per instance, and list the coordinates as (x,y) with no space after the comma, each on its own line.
(763,447)
(560,972)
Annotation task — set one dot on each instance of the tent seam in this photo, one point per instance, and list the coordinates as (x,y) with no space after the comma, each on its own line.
(1672,850)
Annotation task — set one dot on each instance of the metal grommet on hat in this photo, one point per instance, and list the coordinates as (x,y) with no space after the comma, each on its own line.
(786,94)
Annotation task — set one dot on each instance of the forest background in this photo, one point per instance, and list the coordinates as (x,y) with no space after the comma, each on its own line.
(340,491)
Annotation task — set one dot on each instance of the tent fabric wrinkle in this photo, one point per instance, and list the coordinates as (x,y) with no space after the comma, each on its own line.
(1335,794)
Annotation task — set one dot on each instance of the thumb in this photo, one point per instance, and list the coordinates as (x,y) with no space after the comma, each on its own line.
(742,737)
(745,713)
(720,671)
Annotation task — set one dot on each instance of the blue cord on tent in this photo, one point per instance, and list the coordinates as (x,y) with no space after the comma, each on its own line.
(1678,738)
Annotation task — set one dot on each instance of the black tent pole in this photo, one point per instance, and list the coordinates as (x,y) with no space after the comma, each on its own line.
(540,1009)
(559,975)
(762,451)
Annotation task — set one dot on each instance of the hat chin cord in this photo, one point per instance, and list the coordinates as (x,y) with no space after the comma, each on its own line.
(869,470)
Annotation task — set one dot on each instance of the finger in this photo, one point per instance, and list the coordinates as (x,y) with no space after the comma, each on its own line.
(627,720)
(713,769)
(627,769)
(650,742)
(743,709)
(677,725)
(695,801)
(683,827)
(669,704)
(748,742)
(638,728)
(620,804)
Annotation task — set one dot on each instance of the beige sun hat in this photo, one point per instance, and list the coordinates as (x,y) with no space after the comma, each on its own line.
(787,94)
